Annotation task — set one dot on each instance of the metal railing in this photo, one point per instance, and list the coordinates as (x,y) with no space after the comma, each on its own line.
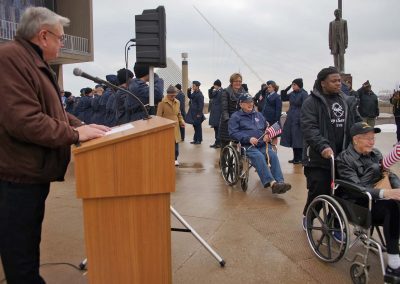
(72,44)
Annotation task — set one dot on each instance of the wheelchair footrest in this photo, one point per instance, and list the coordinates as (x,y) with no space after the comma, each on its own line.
(391,279)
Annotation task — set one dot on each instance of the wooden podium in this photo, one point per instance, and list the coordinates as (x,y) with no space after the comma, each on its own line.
(125,180)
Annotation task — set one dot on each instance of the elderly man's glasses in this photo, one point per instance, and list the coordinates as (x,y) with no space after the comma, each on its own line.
(61,38)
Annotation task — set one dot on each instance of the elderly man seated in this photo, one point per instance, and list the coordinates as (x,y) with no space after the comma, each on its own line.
(248,127)
(360,163)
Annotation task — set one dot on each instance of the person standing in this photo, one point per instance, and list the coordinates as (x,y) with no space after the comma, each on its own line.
(325,120)
(215,111)
(195,114)
(169,108)
(230,104)
(368,106)
(395,101)
(182,102)
(272,109)
(259,97)
(35,137)
(291,135)
(338,39)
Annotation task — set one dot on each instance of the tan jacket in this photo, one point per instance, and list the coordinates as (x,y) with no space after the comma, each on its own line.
(171,110)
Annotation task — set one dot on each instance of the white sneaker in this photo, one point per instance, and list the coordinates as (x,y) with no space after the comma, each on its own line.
(176,163)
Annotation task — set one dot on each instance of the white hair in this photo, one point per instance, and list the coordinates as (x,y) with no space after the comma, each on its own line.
(34,18)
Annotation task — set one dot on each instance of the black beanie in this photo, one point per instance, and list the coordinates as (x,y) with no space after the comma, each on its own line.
(217,83)
(140,70)
(122,75)
(298,82)
(67,94)
(178,86)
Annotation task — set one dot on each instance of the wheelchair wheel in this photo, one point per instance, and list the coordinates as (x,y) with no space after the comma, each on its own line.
(244,177)
(229,165)
(359,273)
(327,229)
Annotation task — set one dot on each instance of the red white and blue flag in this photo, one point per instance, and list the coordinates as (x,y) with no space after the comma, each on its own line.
(274,130)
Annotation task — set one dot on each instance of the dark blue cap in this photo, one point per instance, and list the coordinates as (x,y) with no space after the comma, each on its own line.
(245,98)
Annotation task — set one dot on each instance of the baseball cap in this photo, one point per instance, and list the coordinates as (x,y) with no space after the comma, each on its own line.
(361,128)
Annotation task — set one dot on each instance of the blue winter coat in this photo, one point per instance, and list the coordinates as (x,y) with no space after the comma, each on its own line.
(84,109)
(195,114)
(99,107)
(140,89)
(272,109)
(181,98)
(111,119)
(244,125)
(292,136)
(216,107)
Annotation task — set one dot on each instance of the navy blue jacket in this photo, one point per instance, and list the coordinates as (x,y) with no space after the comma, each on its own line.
(181,98)
(110,119)
(272,109)
(195,114)
(244,125)
(216,107)
(140,89)
(84,109)
(99,107)
(292,136)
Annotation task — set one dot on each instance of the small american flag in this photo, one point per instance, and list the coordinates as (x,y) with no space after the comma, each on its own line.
(274,130)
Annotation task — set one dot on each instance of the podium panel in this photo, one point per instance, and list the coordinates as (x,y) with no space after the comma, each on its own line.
(125,180)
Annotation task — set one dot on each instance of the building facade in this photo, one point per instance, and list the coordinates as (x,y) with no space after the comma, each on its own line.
(78,45)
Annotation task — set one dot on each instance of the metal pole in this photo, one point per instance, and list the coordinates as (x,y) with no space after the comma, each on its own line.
(185,75)
(197,236)
(151,86)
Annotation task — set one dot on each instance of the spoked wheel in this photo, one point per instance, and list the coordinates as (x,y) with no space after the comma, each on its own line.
(229,165)
(244,176)
(359,273)
(327,229)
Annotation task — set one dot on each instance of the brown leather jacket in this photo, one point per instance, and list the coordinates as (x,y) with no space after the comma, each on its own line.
(35,131)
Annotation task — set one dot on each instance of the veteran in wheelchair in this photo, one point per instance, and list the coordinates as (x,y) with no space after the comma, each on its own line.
(248,128)
(365,197)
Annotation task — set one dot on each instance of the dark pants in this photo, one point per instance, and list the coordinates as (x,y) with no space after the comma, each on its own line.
(216,132)
(176,151)
(318,183)
(198,133)
(182,130)
(22,209)
(386,213)
(397,119)
(297,154)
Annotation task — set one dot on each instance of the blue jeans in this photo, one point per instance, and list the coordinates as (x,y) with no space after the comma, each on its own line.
(258,160)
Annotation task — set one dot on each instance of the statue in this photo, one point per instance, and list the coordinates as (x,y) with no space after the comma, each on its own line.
(338,40)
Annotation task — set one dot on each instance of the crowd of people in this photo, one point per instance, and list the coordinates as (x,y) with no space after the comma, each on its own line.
(36,133)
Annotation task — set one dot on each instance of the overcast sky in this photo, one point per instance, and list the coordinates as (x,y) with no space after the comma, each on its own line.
(280,40)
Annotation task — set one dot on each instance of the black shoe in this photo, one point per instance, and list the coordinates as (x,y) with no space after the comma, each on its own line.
(291,161)
(280,187)
(197,143)
(193,142)
(392,272)
(217,146)
(296,162)
(213,146)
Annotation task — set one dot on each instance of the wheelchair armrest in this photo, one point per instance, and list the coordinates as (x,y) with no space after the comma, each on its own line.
(352,188)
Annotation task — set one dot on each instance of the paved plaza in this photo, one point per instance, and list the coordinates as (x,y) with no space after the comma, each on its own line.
(258,234)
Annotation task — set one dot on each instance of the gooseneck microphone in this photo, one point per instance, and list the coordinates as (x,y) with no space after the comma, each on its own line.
(79,72)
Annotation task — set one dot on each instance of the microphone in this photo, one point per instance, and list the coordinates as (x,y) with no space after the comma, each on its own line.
(79,72)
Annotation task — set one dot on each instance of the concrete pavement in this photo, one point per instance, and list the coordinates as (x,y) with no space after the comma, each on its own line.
(258,234)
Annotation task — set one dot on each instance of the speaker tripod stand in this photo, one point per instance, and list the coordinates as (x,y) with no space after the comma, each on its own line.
(188,229)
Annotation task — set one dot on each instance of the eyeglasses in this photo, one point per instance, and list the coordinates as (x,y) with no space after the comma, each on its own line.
(61,38)
(237,81)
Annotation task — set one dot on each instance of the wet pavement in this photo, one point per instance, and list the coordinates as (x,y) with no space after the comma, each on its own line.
(257,233)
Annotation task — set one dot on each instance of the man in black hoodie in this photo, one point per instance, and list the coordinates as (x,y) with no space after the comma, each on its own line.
(326,118)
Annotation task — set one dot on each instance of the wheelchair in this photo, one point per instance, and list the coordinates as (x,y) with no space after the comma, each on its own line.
(235,165)
(346,206)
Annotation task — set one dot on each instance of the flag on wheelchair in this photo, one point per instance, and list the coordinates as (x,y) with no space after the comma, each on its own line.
(273,130)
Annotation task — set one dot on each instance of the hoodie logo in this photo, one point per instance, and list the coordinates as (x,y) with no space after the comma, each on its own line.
(257,119)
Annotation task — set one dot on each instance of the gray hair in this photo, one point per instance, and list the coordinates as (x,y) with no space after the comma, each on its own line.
(34,18)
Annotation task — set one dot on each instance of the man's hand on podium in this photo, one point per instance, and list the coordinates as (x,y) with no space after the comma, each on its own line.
(91,131)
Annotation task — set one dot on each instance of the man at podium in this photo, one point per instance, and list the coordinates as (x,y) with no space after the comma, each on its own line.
(35,137)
